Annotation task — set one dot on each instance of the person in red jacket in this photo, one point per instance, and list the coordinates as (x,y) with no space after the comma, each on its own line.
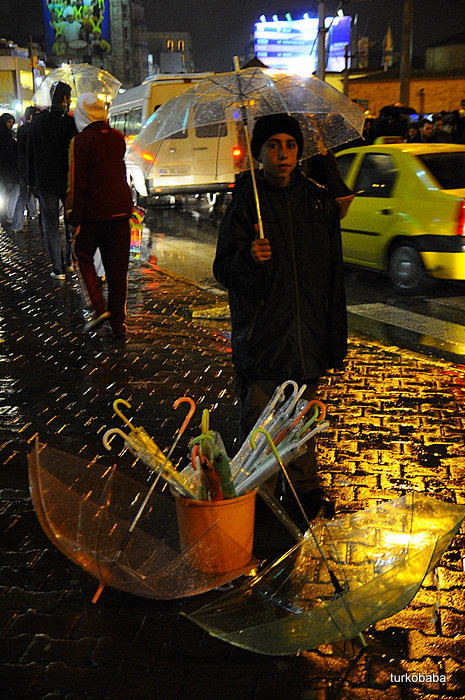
(99,205)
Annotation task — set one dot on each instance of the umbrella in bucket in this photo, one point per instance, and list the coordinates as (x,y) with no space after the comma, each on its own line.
(220,112)
(87,509)
(117,527)
(120,529)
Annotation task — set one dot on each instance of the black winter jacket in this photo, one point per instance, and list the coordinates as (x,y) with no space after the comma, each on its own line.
(288,314)
(47,150)
(9,173)
(22,138)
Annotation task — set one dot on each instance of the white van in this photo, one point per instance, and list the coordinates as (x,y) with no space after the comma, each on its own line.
(200,160)
(131,109)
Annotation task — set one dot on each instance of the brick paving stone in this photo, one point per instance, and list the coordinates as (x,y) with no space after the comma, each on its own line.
(396,424)
(39,623)
(90,624)
(12,648)
(133,683)
(17,680)
(106,649)
(91,682)
(422,645)
(44,649)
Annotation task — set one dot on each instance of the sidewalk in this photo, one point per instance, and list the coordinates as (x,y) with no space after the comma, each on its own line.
(397,423)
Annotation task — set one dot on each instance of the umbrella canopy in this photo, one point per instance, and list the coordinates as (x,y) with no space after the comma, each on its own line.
(87,510)
(81,77)
(380,557)
(231,100)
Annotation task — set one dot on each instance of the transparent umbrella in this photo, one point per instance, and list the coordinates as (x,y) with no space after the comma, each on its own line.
(380,557)
(92,514)
(81,77)
(228,104)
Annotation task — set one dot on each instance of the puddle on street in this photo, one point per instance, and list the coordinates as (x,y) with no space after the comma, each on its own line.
(186,257)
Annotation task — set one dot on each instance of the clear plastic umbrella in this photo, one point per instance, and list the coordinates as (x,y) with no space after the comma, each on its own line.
(89,512)
(81,77)
(380,556)
(231,102)
(325,115)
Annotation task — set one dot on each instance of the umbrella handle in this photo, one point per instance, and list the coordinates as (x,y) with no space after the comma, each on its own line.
(191,402)
(119,413)
(205,424)
(196,453)
(116,431)
(280,393)
(320,414)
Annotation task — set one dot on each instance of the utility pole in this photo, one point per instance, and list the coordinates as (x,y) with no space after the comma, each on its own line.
(346,70)
(321,66)
(406,58)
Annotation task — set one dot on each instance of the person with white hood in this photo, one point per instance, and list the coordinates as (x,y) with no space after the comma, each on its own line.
(99,206)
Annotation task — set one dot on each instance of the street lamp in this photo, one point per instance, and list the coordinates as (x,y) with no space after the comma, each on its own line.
(321,66)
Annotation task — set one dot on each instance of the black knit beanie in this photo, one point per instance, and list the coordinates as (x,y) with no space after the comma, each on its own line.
(276,124)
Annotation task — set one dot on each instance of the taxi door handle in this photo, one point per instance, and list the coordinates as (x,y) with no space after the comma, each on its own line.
(386,212)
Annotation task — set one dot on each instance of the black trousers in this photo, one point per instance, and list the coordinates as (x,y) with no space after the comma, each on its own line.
(113,239)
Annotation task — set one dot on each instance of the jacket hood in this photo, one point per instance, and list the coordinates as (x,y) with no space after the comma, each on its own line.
(89,109)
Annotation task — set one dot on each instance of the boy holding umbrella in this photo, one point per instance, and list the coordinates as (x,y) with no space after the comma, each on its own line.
(286,290)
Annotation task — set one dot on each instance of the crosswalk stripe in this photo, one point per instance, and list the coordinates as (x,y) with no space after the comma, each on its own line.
(450,333)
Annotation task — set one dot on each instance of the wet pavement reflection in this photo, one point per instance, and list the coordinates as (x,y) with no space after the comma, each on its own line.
(396,424)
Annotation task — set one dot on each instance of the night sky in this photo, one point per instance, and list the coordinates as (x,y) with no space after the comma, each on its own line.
(221,29)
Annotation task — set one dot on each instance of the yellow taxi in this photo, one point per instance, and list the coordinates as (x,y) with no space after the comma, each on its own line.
(408,214)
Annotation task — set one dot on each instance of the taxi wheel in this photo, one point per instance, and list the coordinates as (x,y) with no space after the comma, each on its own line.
(406,270)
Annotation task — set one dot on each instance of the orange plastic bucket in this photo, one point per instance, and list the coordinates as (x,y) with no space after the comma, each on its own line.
(219,533)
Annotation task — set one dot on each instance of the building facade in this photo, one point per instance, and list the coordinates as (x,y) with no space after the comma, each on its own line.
(171,52)
(447,55)
(128,60)
(430,91)
(19,77)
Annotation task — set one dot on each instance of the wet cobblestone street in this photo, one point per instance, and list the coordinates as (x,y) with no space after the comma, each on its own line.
(396,424)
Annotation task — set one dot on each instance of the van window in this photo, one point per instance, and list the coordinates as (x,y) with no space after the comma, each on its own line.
(134,121)
(214,117)
(118,121)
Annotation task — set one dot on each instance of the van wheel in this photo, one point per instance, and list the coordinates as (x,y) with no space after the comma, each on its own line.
(406,270)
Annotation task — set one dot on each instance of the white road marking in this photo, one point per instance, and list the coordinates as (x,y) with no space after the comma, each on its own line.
(451,334)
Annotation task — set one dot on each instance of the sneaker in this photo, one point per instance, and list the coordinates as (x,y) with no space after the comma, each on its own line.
(70,268)
(54,276)
(96,320)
